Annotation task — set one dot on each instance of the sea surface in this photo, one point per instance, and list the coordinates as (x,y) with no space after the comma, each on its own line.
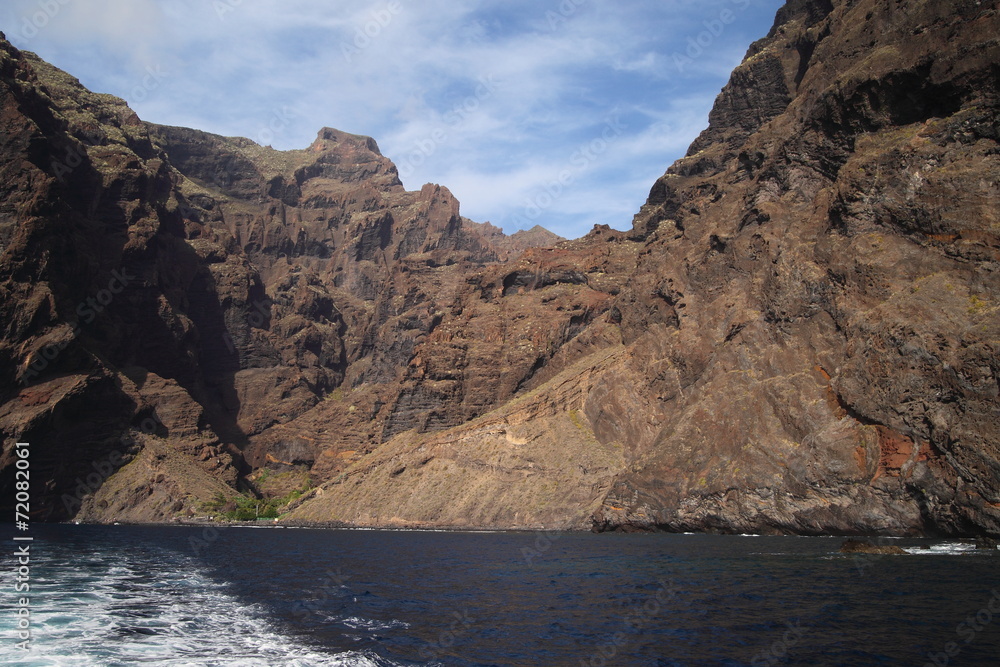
(171,595)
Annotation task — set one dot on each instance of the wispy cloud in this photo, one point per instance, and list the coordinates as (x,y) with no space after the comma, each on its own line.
(411,74)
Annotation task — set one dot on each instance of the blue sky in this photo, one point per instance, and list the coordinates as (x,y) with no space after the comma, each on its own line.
(554,112)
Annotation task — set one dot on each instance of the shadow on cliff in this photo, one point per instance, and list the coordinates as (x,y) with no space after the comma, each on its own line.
(79,245)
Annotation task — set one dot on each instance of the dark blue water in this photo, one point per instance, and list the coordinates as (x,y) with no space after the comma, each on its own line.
(122,595)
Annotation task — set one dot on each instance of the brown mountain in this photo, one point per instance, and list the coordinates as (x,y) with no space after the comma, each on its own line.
(799,334)
(204,305)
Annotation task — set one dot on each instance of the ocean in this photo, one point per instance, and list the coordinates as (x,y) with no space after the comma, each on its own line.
(177,595)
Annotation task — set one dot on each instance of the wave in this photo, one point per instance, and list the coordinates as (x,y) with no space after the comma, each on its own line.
(103,611)
(943,549)
(358,623)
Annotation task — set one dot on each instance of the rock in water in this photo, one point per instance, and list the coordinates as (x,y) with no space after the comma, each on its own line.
(853,546)
(986,543)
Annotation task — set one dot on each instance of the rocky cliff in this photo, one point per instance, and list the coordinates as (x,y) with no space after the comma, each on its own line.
(234,308)
(808,339)
(817,296)
(799,333)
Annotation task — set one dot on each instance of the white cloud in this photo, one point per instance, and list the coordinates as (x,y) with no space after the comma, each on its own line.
(410,74)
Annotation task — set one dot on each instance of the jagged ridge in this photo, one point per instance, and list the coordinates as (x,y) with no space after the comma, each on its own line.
(798,335)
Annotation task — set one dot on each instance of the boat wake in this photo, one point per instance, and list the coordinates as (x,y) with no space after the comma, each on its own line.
(108,609)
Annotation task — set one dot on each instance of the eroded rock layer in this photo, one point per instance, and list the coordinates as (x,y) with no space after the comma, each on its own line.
(799,334)
(808,339)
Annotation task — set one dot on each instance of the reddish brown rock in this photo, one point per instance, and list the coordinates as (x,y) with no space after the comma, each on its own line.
(223,298)
(810,329)
(853,546)
(799,333)
(833,355)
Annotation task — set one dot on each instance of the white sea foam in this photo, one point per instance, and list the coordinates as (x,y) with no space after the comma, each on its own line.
(357,623)
(942,549)
(115,613)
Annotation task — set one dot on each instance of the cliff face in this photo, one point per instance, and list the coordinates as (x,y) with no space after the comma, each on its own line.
(216,302)
(808,339)
(799,334)
(817,296)
(98,351)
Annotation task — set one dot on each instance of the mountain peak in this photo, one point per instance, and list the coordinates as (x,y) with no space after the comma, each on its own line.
(536,237)
(329,139)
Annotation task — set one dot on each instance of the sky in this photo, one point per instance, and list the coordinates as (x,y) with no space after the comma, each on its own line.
(561,113)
